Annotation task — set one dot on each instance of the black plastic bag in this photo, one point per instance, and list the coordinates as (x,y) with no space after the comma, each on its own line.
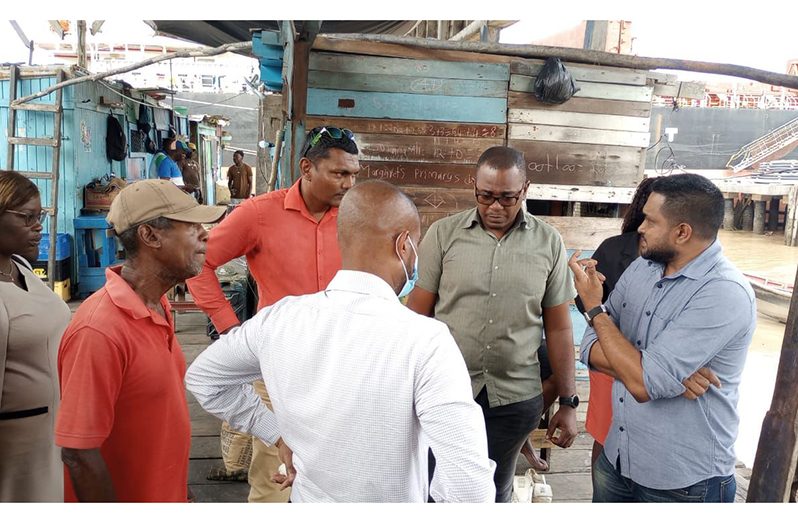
(115,140)
(554,84)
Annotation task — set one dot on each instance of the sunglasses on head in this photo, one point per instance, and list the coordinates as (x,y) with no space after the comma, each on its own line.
(314,137)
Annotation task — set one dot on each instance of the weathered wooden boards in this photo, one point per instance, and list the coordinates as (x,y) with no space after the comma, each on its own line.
(598,137)
(420,124)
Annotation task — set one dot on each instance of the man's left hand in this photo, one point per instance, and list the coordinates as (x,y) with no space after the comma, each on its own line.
(587,280)
(565,420)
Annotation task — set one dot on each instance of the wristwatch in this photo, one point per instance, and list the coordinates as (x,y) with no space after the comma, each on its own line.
(570,401)
(595,311)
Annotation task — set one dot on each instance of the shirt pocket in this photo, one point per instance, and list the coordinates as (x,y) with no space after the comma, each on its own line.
(525,275)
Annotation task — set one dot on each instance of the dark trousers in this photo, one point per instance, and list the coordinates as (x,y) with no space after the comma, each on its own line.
(507,426)
(609,486)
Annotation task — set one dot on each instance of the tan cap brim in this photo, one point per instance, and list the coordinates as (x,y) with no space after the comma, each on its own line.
(198,214)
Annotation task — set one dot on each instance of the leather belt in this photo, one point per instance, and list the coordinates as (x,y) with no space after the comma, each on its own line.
(23,413)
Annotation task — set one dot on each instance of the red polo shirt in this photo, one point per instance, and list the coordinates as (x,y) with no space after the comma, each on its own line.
(287,251)
(121,370)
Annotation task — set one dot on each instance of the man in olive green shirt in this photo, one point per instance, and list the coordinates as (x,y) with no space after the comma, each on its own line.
(499,278)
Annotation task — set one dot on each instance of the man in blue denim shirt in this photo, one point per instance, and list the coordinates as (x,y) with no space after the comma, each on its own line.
(680,308)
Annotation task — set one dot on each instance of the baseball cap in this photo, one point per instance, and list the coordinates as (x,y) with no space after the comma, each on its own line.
(181,145)
(192,146)
(146,200)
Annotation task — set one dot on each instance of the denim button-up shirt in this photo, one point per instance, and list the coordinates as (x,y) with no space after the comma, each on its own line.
(702,316)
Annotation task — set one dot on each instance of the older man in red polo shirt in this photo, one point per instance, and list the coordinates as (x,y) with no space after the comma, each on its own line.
(289,238)
(123,425)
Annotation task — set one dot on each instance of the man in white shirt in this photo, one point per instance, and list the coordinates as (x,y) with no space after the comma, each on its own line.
(360,385)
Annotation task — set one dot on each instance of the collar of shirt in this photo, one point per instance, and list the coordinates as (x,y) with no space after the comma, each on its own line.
(362,283)
(473,218)
(127,300)
(699,266)
(294,202)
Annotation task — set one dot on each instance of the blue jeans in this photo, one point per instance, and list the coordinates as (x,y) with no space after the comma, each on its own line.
(610,487)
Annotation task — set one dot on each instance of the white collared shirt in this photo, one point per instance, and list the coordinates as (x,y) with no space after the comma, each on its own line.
(360,387)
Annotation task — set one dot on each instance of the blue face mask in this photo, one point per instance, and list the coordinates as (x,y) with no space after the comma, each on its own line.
(410,281)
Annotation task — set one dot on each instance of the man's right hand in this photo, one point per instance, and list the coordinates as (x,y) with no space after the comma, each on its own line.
(286,456)
(698,383)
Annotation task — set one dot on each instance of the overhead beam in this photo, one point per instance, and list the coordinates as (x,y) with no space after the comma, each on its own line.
(584,56)
(187,53)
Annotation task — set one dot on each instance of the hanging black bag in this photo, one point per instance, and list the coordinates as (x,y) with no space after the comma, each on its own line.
(554,84)
(115,140)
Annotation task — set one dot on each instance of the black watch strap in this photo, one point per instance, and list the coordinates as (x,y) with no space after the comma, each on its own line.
(570,401)
(595,311)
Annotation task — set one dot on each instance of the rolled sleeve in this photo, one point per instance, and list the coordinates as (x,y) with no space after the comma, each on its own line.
(613,305)
(717,313)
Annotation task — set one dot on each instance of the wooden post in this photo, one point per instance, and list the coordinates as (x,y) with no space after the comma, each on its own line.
(299,109)
(596,35)
(432,27)
(728,213)
(759,217)
(748,216)
(777,453)
(790,226)
(82,44)
(443,29)
(773,213)
(269,122)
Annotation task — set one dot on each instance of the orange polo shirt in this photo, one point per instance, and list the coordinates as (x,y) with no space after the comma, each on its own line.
(287,251)
(121,370)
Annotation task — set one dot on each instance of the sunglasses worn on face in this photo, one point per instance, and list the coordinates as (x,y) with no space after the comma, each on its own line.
(333,132)
(485,198)
(30,219)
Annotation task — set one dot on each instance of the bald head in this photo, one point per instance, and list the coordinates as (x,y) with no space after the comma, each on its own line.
(372,212)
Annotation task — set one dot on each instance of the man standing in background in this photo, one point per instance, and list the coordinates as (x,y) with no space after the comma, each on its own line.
(239,177)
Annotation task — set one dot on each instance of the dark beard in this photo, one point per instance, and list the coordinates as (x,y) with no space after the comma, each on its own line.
(662,256)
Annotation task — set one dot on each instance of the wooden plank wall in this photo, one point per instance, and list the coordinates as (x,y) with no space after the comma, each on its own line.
(598,137)
(422,120)
(420,124)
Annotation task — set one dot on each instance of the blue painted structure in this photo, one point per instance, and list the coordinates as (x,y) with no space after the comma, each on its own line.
(83,152)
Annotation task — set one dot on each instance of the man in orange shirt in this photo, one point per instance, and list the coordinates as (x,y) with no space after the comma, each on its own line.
(124,426)
(289,238)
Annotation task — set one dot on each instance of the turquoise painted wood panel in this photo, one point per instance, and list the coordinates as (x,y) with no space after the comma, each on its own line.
(343,63)
(407,84)
(403,106)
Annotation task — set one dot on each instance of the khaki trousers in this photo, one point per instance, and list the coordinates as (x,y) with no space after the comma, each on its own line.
(265,462)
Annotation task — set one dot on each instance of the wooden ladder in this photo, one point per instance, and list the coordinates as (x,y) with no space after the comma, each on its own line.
(54,142)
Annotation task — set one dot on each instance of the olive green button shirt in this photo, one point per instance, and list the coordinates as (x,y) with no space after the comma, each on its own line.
(491,294)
